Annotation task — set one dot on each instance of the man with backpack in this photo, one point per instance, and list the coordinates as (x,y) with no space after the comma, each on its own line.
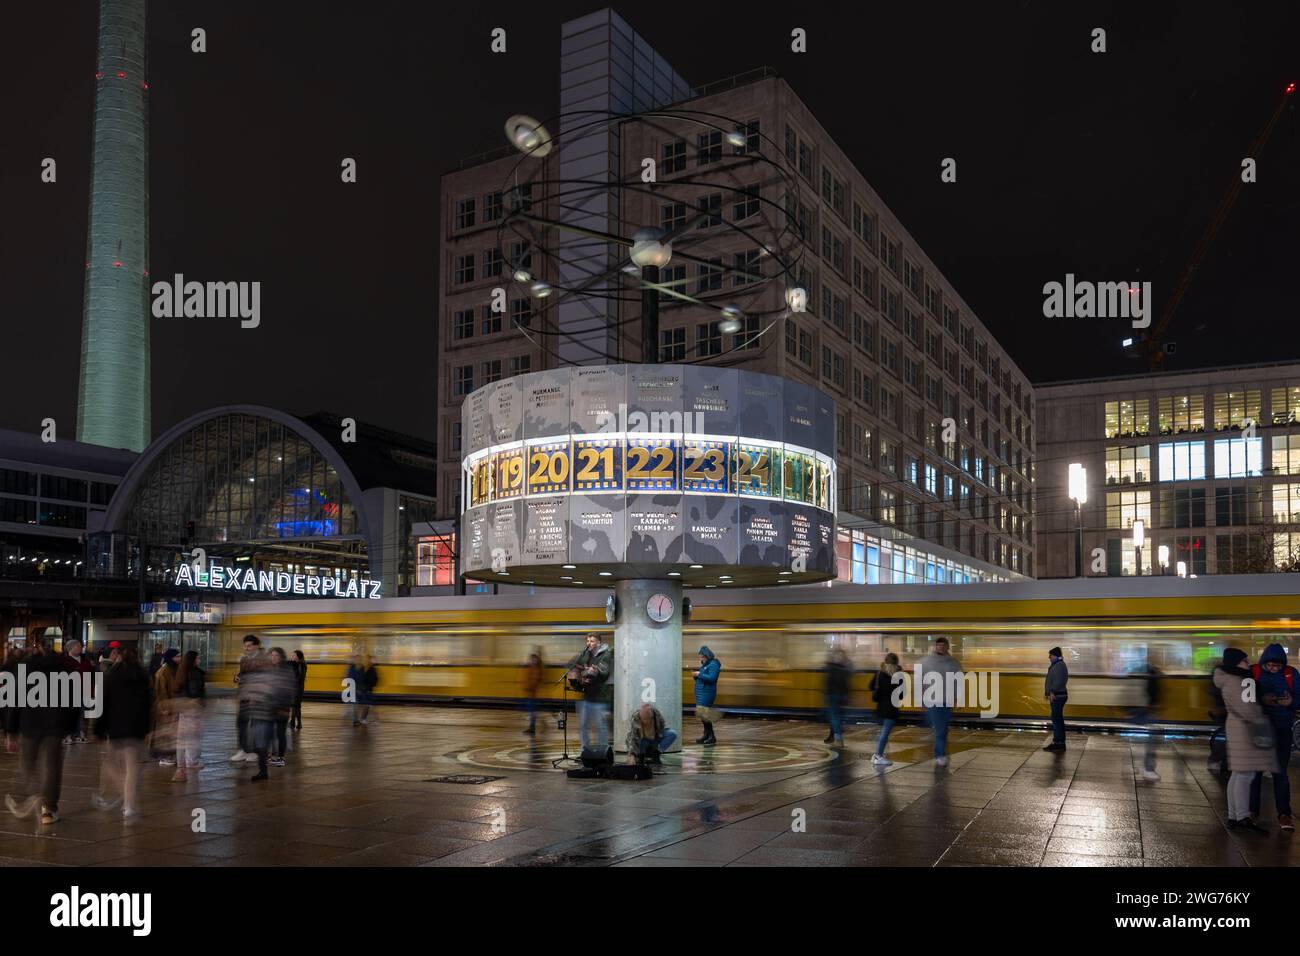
(1275,684)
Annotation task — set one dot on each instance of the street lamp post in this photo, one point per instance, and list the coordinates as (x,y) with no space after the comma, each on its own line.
(650,252)
(1139,537)
(1079,492)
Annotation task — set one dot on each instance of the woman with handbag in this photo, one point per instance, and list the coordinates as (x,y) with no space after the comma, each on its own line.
(1250,738)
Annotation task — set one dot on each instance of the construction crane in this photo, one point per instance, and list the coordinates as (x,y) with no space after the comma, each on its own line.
(1152,342)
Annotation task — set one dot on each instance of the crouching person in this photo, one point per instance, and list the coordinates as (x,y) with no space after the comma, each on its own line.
(648,735)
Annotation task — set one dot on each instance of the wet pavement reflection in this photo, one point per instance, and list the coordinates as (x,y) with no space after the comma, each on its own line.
(460,787)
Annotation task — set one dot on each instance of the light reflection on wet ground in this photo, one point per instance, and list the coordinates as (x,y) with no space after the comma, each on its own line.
(771,793)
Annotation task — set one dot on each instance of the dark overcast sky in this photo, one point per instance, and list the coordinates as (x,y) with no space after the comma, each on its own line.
(1107,166)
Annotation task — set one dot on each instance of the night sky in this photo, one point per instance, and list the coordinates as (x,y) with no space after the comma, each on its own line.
(1104,165)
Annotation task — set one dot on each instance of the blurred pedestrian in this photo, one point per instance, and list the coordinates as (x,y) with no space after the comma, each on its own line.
(1055,690)
(257,687)
(357,676)
(164,723)
(706,693)
(882,692)
(189,698)
(124,723)
(1250,739)
(1275,683)
(41,731)
(1145,717)
(839,675)
(300,673)
(532,680)
(11,714)
(941,662)
(78,663)
(283,685)
(155,661)
(252,660)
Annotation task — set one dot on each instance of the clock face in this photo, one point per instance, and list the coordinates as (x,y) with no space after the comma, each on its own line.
(611,609)
(659,607)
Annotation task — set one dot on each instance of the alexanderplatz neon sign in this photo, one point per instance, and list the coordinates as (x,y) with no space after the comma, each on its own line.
(247,580)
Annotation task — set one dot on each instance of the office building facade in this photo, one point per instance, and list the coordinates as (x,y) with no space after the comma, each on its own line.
(1208,461)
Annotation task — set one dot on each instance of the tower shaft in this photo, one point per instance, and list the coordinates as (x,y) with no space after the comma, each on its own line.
(113,401)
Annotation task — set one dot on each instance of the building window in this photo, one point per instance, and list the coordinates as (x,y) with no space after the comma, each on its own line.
(491,263)
(462,326)
(464,213)
(709,275)
(1285,405)
(791,145)
(1235,409)
(491,371)
(1124,506)
(672,345)
(711,207)
(752,138)
(1180,414)
(805,161)
(1236,457)
(746,203)
(464,269)
(673,157)
(492,207)
(1180,461)
(462,382)
(1130,466)
(748,268)
(1182,508)
(672,215)
(1286,454)
(520,364)
(709,148)
(1128,419)
(708,339)
(673,277)
(748,338)
(805,347)
(521,312)
(521,254)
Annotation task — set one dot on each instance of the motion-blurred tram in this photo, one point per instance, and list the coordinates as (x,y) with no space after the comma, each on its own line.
(773,643)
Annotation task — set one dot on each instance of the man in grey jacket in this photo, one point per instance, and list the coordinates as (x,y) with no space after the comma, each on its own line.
(1055,692)
(941,662)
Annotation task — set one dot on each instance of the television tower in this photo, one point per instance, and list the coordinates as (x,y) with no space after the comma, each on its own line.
(113,402)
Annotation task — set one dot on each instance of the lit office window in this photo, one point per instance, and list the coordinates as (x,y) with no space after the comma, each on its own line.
(1182,461)
(1238,457)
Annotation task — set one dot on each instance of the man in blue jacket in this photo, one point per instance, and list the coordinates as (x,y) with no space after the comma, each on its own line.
(1275,686)
(706,692)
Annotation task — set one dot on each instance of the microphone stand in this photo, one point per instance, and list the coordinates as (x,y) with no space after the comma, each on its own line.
(564,713)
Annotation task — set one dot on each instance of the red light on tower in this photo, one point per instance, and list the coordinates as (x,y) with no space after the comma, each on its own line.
(99,74)
(121,75)
(1290,87)
(117,263)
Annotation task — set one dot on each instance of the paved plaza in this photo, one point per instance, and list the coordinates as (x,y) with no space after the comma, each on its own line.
(434,786)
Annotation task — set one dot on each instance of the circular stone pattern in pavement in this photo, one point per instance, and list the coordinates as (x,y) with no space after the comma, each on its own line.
(742,757)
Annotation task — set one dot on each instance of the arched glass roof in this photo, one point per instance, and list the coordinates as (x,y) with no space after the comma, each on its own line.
(239,476)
